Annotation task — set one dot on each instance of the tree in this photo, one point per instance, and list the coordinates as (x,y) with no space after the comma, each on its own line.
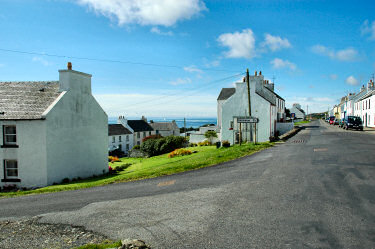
(287,113)
(210,135)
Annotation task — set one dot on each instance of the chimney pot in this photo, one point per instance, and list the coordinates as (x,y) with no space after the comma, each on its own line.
(260,72)
(256,73)
(69,65)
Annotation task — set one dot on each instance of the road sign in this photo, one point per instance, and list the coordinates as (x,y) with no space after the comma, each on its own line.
(247,120)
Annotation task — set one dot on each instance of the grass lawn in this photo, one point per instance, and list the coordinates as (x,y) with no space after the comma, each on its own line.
(106,244)
(142,168)
(302,122)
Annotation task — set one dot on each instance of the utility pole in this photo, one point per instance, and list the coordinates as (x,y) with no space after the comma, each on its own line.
(185,127)
(249,101)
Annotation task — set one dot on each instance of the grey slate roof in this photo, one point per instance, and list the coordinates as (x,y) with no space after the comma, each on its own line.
(226,93)
(139,125)
(164,126)
(26,100)
(117,129)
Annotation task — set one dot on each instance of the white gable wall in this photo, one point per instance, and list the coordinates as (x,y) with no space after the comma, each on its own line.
(237,105)
(77,132)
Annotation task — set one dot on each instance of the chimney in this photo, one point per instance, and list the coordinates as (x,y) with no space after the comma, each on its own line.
(256,73)
(244,79)
(74,81)
(144,119)
(260,73)
(122,120)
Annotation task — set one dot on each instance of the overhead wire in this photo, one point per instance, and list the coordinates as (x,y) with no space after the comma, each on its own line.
(169,98)
(109,60)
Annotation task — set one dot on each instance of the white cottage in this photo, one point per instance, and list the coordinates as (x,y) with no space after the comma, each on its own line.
(299,113)
(51,131)
(165,129)
(266,105)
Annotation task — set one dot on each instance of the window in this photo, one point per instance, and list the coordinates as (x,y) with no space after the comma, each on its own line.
(369,104)
(138,143)
(119,138)
(144,134)
(113,139)
(149,133)
(127,147)
(127,137)
(10,134)
(120,147)
(10,169)
(138,135)
(157,132)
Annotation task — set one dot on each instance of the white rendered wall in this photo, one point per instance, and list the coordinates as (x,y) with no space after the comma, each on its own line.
(283,128)
(77,132)
(123,142)
(237,105)
(30,155)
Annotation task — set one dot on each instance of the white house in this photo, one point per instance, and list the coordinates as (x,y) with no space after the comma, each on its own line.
(120,138)
(198,136)
(141,130)
(299,114)
(368,109)
(165,129)
(51,131)
(362,103)
(233,104)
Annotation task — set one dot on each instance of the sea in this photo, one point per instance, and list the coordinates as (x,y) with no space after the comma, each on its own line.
(190,122)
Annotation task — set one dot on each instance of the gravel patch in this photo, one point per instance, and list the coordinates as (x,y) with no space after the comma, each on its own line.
(29,233)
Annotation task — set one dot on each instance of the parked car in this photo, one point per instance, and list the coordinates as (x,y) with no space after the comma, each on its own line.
(332,120)
(352,122)
(336,121)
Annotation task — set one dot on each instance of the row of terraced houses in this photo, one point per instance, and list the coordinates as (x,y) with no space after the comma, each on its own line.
(361,104)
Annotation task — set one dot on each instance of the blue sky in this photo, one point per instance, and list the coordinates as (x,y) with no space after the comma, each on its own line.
(170,58)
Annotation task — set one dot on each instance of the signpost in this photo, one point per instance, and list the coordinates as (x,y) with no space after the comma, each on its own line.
(244,120)
(247,120)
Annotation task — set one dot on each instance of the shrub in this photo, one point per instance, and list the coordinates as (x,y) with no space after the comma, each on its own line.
(210,135)
(179,152)
(204,143)
(122,166)
(193,144)
(113,159)
(225,143)
(136,147)
(156,136)
(154,147)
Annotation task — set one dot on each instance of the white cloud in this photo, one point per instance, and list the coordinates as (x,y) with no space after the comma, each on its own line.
(348,54)
(278,63)
(275,42)
(181,81)
(367,29)
(351,80)
(333,76)
(155,105)
(240,44)
(41,60)
(214,63)
(146,12)
(156,30)
(193,69)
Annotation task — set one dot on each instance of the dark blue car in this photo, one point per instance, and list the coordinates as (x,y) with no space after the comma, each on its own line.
(352,122)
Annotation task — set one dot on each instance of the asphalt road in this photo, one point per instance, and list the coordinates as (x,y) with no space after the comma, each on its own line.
(317,190)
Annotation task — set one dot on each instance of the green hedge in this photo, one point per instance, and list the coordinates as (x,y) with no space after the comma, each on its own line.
(158,146)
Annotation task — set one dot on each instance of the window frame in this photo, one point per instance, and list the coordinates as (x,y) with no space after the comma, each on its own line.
(5,135)
(5,167)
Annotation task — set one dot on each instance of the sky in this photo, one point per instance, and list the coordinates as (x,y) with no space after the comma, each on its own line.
(167,58)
